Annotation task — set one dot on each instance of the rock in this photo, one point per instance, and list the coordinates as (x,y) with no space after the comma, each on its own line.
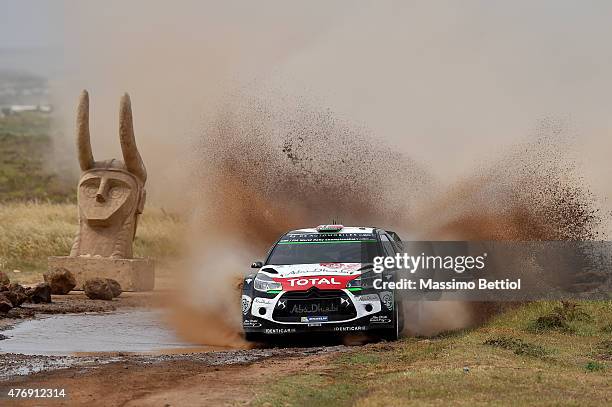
(16,294)
(4,280)
(132,274)
(40,293)
(16,287)
(61,280)
(15,297)
(5,304)
(98,289)
(115,287)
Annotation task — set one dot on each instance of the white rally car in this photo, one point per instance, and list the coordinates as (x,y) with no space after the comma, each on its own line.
(321,279)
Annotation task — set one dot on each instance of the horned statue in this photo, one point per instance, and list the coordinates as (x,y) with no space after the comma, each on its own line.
(111,196)
(111,193)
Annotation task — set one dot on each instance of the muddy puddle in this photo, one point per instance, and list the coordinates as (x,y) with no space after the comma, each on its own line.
(138,331)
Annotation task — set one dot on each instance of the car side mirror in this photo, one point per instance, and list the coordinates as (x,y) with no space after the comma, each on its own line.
(257,265)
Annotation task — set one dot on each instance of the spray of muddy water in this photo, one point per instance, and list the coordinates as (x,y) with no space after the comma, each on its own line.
(263,170)
(532,192)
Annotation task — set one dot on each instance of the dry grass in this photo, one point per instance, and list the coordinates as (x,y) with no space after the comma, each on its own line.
(30,232)
(464,369)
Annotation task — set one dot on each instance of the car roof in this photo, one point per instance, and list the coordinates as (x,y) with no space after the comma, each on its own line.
(345,229)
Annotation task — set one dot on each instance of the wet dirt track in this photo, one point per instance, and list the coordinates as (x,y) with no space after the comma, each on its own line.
(210,378)
(180,376)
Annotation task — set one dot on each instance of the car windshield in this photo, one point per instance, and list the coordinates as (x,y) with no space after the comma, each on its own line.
(316,248)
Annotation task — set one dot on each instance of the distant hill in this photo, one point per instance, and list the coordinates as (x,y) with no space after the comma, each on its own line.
(21,88)
(25,145)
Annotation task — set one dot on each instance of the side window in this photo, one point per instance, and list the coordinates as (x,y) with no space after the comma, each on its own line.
(387,245)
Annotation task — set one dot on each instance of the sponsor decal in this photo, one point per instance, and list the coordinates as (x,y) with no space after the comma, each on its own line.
(350,328)
(296,282)
(279,330)
(327,241)
(321,270)
(251,323)
(387,298)
(322,318)
(328,238)
(368,297)
(246,304)
(315,308)
(341,266)
(261,300)
(380,319)
(320,282)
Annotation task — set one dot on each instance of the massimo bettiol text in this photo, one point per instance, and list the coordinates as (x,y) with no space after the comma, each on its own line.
(457,264)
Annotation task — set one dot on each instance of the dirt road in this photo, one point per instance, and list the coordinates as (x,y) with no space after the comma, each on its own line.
(214,378)
(203,377)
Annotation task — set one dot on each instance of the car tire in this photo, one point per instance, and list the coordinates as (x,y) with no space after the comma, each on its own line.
(394,333)
(254,337)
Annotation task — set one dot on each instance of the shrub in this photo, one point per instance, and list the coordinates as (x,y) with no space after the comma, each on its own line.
(518,346)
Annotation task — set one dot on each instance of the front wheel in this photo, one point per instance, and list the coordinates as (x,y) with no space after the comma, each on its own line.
(254,337)
(395,332)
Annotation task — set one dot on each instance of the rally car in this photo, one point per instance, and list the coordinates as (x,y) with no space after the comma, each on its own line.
(322,279)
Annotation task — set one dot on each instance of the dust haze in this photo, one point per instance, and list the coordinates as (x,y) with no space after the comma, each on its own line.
(441,121)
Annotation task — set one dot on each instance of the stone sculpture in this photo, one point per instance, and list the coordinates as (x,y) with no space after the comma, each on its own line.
(111,196)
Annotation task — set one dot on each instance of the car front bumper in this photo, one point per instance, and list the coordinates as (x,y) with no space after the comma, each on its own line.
(318,311)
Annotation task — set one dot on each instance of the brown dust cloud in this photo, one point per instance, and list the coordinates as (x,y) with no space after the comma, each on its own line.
(267,172)
(254,120)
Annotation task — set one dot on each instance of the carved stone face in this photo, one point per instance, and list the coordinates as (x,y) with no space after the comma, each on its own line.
(107,196)
(111,193)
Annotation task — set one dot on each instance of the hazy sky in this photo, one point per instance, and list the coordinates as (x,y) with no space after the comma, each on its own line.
(31,23)
(452,82)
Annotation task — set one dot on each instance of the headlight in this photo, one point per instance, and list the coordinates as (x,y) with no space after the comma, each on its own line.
(355,283)
(264,283)
(366,280)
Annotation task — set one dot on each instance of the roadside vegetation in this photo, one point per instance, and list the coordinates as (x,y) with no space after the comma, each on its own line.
(505,362)
(25,143)
(38,212)
(30,232)
(26,124)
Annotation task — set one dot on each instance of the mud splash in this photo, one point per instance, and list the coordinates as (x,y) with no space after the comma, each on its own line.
(268,169)
(264,171)
(534,191)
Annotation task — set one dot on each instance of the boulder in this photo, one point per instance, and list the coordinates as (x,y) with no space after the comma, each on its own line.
(15,287)
(16,294)
(115,287)
(61,280)
(5,304)
(4,280)
(15,297)
(98,289)
(40,293)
